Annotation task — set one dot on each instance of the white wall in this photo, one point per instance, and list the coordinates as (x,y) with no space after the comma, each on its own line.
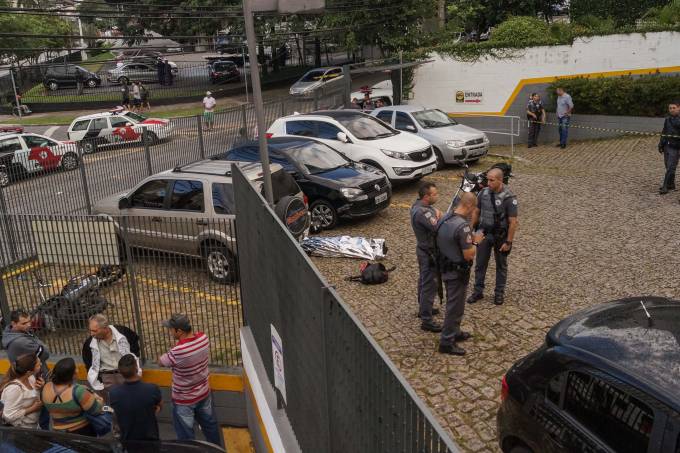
(436,83)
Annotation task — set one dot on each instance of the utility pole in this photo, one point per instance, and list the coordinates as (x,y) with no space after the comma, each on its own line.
(257,100)
(83,54)
(14,87)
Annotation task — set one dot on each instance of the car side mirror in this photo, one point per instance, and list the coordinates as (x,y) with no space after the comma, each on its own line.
(124,203)
(342,137)
(411,128)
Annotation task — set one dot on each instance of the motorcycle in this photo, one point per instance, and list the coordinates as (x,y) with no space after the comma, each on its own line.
(76,302)
(475,182)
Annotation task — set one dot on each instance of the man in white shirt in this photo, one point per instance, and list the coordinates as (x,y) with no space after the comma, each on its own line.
(209,104)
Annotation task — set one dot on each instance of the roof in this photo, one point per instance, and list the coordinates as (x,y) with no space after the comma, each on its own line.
(644,347)
(252,170)
(335,114)
(101,114)
(402,108)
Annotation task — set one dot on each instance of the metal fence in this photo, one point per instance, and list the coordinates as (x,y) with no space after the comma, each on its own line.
(342,392)
(136,270)
(55,178)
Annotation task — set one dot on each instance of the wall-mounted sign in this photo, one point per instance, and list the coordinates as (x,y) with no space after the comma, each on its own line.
(277,357)
(469,97)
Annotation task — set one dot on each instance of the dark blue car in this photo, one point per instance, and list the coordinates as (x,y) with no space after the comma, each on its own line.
(334,185)
(606,380)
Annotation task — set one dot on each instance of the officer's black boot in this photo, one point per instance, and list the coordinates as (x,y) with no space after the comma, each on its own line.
(452,349)
(431,326)
(474,297)
(498,299)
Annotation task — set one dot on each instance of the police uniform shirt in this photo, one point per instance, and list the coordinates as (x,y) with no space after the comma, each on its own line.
(454,236)
(505,202)
(424,223)
(536,108)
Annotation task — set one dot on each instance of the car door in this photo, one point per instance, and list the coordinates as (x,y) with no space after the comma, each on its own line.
(79,130)
(146,73)
(101,129)
(404,122)
(385,116)
(8,152)
(186,217)
(332,76)
(147,207)
(40,153)
(122,130)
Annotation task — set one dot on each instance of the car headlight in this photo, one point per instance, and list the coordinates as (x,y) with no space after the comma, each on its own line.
(395,154)
(455,143)
(353,194)
(486,138)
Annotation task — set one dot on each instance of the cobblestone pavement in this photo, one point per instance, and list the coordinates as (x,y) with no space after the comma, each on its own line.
(592,228)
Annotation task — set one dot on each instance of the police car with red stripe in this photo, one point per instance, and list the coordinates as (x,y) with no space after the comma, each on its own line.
(115,127)
(22,154)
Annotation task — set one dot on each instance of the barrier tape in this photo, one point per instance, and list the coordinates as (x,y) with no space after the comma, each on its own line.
(604,129)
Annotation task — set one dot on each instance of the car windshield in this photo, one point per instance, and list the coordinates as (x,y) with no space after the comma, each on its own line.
(317,158)
(366,127)
(222,66)
(135,117)
(313,76)
(433,118)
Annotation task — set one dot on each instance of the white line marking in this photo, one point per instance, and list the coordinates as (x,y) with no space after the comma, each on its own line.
(51,130)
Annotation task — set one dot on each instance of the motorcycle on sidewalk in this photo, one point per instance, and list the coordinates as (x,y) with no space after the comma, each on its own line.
(475,182)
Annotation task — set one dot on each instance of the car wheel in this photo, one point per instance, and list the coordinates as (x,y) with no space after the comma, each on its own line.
(4,178)
(149,138)
(92,83)
(439,159)
(88,147)
(123,80)
(69,162)
(323,214)
(52,86)
(220,263)
(520,449)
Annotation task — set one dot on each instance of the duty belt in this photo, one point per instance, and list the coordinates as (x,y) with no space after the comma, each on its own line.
(450,266)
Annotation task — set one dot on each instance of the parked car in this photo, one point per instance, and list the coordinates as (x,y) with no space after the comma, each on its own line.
(22,154)
(201,192)
(334,185)
(223,71)
(452,142)
(316,79)
(21,440)
(151,61)
(61,76)
(380,91)
(362,138)
(136,70)
(606,380)
(131,53)
(116,127)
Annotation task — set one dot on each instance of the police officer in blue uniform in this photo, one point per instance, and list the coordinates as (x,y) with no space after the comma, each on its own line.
(496,216)
(424,219)
(456,251)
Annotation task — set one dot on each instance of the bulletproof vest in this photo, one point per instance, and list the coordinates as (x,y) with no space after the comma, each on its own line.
(492,218)
(447,242)
(424,237)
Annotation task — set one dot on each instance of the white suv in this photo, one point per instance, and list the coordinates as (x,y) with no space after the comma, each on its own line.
(362,138)
(22,154)
(115,127)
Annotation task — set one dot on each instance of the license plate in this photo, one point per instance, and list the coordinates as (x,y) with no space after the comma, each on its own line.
(380,198)
(428,170)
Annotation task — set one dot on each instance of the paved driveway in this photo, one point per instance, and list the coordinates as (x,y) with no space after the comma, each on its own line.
(592,229)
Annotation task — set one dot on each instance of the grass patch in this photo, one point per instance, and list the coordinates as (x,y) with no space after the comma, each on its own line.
(95,63)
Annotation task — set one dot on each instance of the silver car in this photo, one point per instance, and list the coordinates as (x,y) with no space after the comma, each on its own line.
(316,79)
(190,211)
(452,141)
(145,71)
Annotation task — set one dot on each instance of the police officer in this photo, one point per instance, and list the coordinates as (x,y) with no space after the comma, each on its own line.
(456,245)
(536,117)
(424,218)
(669,145)
(496,216)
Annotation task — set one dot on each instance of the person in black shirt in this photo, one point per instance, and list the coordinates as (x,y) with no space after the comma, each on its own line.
(536,117)
(135,403)
(669,145)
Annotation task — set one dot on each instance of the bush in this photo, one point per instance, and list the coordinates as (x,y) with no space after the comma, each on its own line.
(627,96)
(520,30)
(623,12)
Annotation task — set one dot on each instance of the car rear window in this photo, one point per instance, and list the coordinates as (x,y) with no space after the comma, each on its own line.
(223,198)
(80,125)
(187,196)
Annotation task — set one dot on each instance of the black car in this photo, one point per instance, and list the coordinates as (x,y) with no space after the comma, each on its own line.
(334,185)
(606,380)
(223,71)
(60,76)
(18,440)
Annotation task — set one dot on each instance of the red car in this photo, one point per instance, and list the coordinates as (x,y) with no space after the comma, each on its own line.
(4,128)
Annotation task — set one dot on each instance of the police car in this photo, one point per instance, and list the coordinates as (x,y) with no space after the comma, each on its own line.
(115,127)
(23,153)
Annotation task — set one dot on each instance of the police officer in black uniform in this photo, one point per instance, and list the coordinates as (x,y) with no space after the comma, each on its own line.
(496,216)
(535,115)
(456,247)
(669,145)
(424,218)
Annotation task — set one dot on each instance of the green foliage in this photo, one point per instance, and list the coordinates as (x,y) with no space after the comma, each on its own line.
(23,23)
(667,15)
(623,12)
(629,96)
(517,31)
(479,15)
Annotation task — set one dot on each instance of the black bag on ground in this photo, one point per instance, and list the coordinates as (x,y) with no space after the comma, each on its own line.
(372,274)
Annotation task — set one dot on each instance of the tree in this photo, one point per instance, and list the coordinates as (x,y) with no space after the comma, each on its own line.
(479,15)
(623,12)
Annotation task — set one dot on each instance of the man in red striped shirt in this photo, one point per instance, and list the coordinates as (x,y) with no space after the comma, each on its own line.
(191,400)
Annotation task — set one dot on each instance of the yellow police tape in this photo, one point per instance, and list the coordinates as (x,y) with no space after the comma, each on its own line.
(605,129)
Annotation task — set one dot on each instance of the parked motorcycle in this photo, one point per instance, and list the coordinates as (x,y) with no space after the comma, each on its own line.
(76,302)
(475,182)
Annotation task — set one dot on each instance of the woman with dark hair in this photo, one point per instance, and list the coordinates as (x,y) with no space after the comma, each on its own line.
(20,389)
(68,402)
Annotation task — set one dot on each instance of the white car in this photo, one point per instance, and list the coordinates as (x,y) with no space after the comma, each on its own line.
(115,127)
(452,141)
(362,138)
(22,154)
(316,79)
(382,91)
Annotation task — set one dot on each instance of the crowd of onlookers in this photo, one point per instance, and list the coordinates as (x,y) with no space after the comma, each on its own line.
(115,401)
